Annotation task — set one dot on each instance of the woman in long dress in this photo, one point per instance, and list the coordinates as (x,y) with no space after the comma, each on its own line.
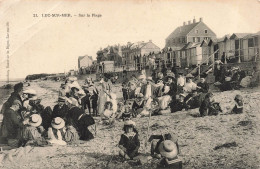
(104,94)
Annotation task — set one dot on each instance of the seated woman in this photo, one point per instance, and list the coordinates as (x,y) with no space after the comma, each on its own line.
(34,106)
(33,132)
(81,121)
(190,85)
(193,100)
(226,85)
(179,105)
(138,104)
(129,143)
(203,86)
(169,92)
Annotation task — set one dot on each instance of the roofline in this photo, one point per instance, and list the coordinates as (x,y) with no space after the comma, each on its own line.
(152,43)
(206,25)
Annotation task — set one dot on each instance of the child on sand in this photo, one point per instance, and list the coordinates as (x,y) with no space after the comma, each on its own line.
(108,115)
(204,108)
(127,114)
(238,108)
(129,142)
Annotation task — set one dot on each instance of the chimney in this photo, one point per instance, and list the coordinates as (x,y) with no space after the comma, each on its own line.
(188,22)
(184,23)
(194,20)
(201,19)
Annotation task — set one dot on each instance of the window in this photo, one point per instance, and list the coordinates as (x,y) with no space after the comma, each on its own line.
(198,39)
(250,42)
(206,31)
(179,40)
(196,31)
(206,38)
(183,40)
(194,39)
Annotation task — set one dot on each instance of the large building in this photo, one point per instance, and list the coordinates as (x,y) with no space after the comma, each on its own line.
(194,32)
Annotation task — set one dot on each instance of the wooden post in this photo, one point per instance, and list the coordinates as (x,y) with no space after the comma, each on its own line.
(172,58)
(148,131)
(239,46)
(199,70)
(225,58)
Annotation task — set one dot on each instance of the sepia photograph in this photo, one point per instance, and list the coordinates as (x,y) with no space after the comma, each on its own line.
(133,84)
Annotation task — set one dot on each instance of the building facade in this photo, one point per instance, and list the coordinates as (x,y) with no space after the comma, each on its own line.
(194,32)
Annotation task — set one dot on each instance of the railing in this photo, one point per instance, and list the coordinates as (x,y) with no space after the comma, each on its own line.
(204,61)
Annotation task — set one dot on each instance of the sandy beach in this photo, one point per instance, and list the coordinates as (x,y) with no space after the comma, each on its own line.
(223,141)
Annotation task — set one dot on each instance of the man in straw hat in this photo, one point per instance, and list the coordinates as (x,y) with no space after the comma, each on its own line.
(56,133)
(164,145)
(32,133)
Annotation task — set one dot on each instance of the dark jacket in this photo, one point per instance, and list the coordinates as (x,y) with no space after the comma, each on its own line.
(60,111)
(173,89)
(177,106)
(132,144)
(204,87)
(9,102)
(12,124)
(204,107)
(81,121)
(137,106)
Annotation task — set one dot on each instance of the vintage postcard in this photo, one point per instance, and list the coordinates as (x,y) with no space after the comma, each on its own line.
(129,84)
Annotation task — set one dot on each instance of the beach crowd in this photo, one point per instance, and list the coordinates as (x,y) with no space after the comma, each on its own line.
(27,122)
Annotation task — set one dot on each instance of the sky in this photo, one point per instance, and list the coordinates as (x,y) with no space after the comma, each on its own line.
(53,44)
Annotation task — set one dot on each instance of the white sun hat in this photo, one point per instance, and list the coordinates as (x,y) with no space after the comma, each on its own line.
(35,120)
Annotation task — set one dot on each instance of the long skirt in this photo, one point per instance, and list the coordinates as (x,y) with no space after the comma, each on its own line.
(101,102)
(164,101)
